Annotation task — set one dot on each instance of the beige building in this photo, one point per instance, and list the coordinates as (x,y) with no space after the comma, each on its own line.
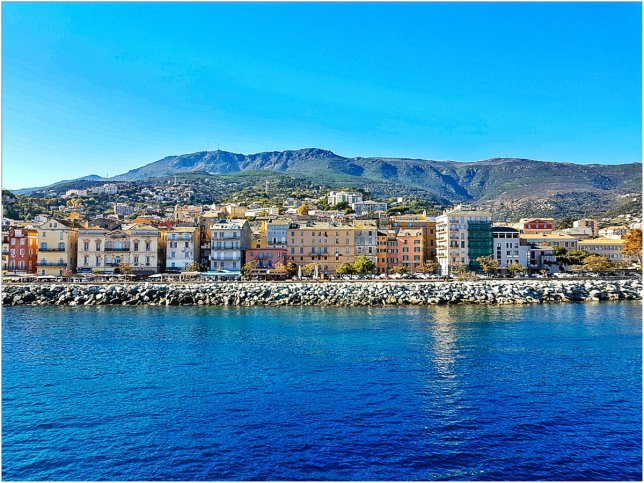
(140,246)
(611,248)
(324,244)
(564,241)
(57,247)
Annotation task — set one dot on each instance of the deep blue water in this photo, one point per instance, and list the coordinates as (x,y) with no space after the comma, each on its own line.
(192,393)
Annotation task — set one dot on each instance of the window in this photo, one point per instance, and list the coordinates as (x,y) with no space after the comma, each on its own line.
(22,252)
(136,246)
(147,247)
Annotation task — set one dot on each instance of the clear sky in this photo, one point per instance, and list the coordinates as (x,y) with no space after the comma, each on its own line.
(100,88)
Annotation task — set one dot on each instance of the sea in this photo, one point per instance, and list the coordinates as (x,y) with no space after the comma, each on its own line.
(543,392)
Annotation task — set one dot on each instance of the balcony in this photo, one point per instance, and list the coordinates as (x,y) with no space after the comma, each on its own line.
(225,246)
(51,264)
(226,258)
(54,249)
(112,249)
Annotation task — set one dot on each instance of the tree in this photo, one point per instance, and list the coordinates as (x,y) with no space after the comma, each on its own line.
(249,267)
(96,271)
(633,244)
(291,268)
(344,269)
(308,269)
(67,272)
(488,263)
(565,223)
(192,267)
(363,265)
(595,263)
(515,268)
(303,209)
(399,269)
(124,267)
(428,267)
(343,205)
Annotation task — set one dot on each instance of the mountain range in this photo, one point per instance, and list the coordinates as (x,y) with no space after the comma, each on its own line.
(496,180)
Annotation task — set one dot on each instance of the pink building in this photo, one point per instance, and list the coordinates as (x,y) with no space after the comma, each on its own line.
(266,257)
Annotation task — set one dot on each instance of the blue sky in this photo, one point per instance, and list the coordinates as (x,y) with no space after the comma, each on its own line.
(100,88)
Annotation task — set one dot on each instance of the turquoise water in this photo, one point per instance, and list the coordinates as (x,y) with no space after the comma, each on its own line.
(409,393)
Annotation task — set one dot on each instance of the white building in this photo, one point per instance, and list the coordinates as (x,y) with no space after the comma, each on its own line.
(182,247)
(70,193)
(350,197)
(507,247)
(587,223)
(228,240)
(462,235)
(366,239)
(366,207)
(123,209)
(106,189)
(614,232)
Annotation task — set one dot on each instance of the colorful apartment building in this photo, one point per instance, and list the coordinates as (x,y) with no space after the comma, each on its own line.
(182,248)
(324,244)
(425,223)
(57,247)
(23,249)
(463,234)
(405,248)
(536,225)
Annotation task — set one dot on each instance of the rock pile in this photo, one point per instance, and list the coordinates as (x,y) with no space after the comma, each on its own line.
(325,294)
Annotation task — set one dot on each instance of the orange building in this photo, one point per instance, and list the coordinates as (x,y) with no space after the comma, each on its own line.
(405,248)
(23,249)
(419,222)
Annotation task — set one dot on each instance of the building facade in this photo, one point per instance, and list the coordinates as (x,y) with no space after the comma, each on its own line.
(614,232)
(536,225)
(462,235)
(366,239)
(508,248)
(141,247)
(611,248)
(266,258)
(324,244)
(57,247)
(228,242)
(350,197)
(587,223)
(182,248)
(426,224)
(563,241)
(366,207)
(23,249)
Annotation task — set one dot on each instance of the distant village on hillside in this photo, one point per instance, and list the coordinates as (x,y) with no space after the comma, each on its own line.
(336,233)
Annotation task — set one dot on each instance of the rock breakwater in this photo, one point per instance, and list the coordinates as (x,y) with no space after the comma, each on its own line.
(325,294)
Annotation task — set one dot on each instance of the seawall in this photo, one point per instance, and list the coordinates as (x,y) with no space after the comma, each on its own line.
(325,294)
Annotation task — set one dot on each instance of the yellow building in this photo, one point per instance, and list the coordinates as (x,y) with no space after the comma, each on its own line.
(564,241)
(324,244)
(611,248)
(57,247)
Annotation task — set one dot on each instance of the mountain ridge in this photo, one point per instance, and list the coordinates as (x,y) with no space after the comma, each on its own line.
(443,182)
